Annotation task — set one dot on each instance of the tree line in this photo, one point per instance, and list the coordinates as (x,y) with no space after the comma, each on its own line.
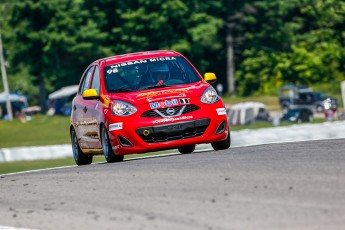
(48,44)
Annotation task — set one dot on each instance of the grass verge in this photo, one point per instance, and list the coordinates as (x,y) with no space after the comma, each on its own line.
(41,130)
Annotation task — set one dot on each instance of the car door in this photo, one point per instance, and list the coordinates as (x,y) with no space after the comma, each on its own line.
(93,113)
(80,105)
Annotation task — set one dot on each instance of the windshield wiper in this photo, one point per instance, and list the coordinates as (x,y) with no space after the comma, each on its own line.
(156,86)
(120,90)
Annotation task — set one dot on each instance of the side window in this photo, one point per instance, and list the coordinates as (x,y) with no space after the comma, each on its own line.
(95,80)
(86,81)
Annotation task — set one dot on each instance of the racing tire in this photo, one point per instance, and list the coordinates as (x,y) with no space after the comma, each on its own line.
(221,145)
(108,152)
(79,157)
(186,149)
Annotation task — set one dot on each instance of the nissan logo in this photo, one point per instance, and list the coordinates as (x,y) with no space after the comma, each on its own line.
(170,111)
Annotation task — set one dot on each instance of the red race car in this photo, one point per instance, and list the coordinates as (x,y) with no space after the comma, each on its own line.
(142,102)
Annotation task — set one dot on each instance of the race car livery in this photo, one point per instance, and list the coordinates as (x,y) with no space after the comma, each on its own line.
(142,102)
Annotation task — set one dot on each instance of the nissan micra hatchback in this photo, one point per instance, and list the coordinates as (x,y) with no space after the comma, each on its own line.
(142,102)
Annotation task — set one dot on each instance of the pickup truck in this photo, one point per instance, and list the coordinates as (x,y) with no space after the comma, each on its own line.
(291,96)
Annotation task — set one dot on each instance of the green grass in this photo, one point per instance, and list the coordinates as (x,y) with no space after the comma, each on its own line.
(41,130)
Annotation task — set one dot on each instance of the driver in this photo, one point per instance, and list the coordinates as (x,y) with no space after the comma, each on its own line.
(160,74)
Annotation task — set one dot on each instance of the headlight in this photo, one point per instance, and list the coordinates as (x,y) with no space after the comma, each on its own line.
(121,108)
(209,96)
(293,119)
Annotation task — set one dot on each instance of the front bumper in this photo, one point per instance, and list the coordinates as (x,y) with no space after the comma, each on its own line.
(174,131)
(140,134)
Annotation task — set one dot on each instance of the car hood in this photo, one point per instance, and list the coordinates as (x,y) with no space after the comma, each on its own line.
(152,95)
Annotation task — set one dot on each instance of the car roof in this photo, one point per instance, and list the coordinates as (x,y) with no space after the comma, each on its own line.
(138,55)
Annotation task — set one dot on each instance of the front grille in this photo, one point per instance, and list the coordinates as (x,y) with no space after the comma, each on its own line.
(162,137)
(173,131)
(163,111)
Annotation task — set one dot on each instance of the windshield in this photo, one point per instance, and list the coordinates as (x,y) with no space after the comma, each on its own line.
(292,113)
(320,96)
(148,74)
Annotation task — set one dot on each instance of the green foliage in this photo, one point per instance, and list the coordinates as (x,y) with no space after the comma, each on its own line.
(41,130)
(294,42)
(48,44)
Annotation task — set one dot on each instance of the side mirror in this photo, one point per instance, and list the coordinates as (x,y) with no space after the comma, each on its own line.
(210,77)
(90,94)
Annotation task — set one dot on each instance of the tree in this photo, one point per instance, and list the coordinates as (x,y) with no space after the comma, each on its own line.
(53,41)
(296,42)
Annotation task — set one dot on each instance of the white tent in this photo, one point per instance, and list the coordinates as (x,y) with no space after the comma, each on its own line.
(13,97)
(246,112)
(64,92)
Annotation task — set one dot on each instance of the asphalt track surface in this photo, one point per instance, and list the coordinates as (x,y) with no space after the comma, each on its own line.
(278,186)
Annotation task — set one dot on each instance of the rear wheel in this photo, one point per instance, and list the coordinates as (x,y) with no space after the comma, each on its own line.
(186,149)
(107,149)
(220,145)
(79,157)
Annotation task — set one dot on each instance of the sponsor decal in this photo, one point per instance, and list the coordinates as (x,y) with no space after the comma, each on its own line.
(154,105)
(184,101)
(115,126)
(172,119)
(113,70)
(171,102)
(141,62)
(163,104)
(151,94)
(221,111)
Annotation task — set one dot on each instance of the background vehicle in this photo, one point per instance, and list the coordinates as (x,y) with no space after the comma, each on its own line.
(319,100)
(292,96)
(298,115)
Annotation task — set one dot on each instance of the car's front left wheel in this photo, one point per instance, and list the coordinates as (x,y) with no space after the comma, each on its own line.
(221,145)
(107,149)
(79,157)
(186,149)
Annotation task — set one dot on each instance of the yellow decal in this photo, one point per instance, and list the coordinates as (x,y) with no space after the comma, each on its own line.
(151,94)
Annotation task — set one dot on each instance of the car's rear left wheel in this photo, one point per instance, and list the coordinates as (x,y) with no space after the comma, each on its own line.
(221,145)
(107,149)
(79,157)
(186,149)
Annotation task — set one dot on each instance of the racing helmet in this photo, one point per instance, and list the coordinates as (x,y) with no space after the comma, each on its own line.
(160,70)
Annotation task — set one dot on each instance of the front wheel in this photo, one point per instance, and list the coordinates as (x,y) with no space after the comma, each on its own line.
(79,157)
(107,149)
(221,145)
(186,149)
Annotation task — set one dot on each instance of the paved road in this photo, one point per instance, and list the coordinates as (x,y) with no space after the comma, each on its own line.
(279,186)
